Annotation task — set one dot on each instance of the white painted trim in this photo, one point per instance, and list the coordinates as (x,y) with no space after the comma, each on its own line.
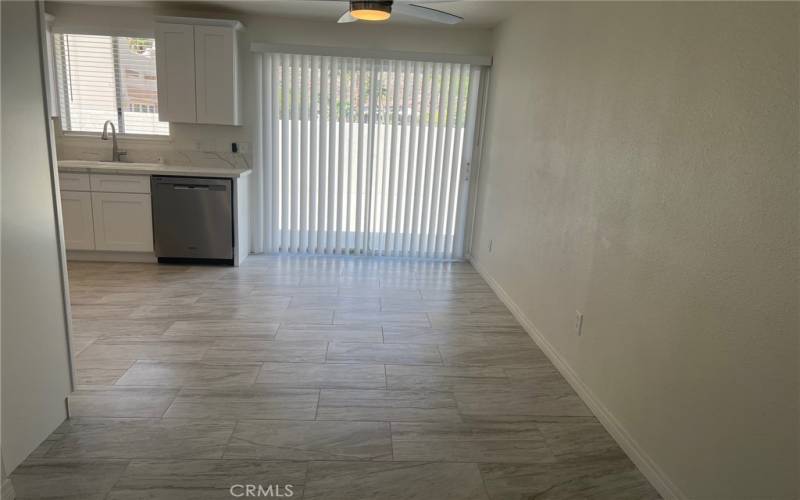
(241,219)
(79,29)
(477,160)
(56,196)
(95,136)
(201,21)
(476,60)
(7,487)
(7,491)
(109,256)
(657,477)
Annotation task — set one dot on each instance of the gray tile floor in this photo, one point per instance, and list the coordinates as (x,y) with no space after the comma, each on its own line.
(345,378)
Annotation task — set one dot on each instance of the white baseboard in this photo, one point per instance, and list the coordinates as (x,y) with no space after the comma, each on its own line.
(105,256)
(7,490)
(660,481)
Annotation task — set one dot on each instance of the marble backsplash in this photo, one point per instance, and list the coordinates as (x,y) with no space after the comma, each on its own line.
(202,146)
(154,154)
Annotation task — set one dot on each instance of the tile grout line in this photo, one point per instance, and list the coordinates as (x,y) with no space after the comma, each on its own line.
(483,481)
(486,360)
(121,476)
(319,398)
(229,440)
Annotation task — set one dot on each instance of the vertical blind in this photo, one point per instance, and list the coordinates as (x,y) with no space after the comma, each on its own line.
(103,78)
(362,156)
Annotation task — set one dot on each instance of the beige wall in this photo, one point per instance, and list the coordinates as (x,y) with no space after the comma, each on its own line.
(35,362)
(119,20)
(641,166)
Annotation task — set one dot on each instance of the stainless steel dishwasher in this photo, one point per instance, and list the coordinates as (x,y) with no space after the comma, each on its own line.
(192,219)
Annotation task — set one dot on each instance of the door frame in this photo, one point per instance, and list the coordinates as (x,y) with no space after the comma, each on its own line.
(56,195)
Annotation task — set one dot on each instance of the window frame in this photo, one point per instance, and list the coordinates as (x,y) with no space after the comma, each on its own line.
(78,134)
(67,30)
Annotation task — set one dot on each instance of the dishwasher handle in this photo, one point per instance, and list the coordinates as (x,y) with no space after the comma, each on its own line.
(199,183)
(197,187)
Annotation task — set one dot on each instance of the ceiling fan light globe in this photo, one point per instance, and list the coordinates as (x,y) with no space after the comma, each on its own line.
(371,10)
(370,15)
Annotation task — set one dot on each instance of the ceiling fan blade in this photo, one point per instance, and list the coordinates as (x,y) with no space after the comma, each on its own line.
(347,18)
(395,1)
(423,12)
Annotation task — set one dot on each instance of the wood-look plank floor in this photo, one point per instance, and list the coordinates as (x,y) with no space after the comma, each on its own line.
(345,378)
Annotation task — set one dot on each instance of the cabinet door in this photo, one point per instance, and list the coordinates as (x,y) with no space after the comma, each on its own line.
(76,211)
(123,222)
(175,72)
(217,81)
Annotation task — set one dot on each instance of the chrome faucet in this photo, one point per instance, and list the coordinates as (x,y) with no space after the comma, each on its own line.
(116,154)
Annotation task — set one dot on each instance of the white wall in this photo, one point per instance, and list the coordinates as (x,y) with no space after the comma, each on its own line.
(121,20)
(641,166)
(35,362)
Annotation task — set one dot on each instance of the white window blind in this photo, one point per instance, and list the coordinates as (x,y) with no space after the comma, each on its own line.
(364,156)
(103,78)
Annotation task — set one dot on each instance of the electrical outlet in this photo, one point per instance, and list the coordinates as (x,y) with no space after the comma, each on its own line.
(491,243)
(578,322)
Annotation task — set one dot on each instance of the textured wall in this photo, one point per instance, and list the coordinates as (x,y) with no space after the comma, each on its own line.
(641,166)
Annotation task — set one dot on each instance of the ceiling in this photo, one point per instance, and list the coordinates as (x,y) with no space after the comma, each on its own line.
(485,13)
(475,13)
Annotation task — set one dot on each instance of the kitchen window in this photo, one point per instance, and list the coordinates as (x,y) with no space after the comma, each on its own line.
(103,78)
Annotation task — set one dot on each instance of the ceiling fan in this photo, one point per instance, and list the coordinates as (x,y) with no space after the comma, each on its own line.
(381,10)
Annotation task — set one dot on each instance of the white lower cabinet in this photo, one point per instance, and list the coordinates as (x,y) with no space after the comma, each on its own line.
(122,222)
(76,207)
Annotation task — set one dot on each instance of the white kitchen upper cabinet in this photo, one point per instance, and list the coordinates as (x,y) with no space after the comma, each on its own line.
(175,68)
(122,222)
(197,61)
(216,55)
(76,212)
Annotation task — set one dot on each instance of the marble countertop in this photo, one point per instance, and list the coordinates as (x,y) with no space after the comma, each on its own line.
(103,167)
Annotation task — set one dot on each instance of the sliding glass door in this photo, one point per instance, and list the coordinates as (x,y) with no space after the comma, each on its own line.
(364,156)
